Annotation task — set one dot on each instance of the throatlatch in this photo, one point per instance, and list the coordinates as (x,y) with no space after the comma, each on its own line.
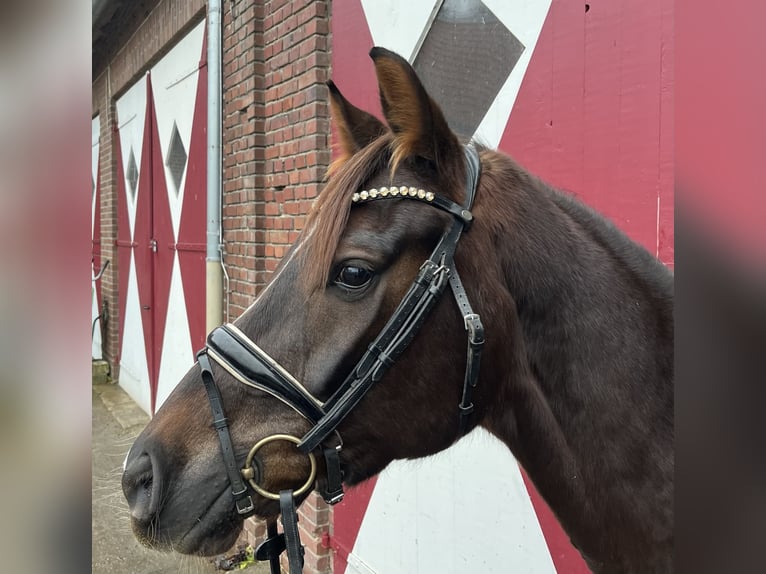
(249,364)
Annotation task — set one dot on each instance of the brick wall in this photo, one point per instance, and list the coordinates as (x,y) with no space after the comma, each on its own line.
(104,107)
(275,153)
(276,126)
(243,141)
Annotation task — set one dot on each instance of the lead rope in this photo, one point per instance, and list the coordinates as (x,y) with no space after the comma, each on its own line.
(295,549)
(276,543)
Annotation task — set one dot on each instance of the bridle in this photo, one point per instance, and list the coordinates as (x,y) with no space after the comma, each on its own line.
(250,365)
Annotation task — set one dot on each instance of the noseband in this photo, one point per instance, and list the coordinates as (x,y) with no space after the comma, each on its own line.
(250,365)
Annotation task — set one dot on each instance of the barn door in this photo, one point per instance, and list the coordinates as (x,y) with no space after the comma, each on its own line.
(586,105)
(431,516)
(161,221)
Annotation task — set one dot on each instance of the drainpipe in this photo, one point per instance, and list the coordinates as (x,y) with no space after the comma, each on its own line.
(214,264)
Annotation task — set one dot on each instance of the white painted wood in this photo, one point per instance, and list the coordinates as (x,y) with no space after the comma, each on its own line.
(463,510)
(96,338)
(174,84)
(177,352)
(131,116)
(134,370)
(174,87)
(525,19)
(399,25)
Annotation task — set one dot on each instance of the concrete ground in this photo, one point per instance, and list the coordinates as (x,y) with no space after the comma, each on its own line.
(117,420)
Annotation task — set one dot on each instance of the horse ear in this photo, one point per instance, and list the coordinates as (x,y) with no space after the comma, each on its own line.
(356,128)
(417,121)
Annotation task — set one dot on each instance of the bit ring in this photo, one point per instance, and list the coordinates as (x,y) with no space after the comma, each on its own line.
(249,475)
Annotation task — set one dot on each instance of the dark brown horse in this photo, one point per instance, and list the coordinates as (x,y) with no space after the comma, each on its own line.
(576,374)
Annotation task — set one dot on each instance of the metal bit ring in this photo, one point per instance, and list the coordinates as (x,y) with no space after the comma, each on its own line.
(249,475)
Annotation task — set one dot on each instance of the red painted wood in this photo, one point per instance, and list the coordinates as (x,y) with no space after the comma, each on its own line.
(142,236)
(593,117)
(589,114)
(565,557)
(192,228)
(666,223)
(352,70)
(180,246)
(153,222)
(347,520)
(163,258)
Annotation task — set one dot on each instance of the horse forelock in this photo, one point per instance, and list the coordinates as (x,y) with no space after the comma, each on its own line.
(329,214)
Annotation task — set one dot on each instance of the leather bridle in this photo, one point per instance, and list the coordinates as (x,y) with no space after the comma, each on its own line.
(249,364)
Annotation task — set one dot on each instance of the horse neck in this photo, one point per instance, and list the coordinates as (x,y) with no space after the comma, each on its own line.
(584,295)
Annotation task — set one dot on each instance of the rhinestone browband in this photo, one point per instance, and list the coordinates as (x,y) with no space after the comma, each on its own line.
(402,191)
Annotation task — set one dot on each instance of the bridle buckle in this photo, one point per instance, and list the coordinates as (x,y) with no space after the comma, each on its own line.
(247,506)
(475,329)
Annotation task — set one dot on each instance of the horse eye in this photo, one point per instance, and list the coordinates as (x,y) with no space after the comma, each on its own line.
(353,277)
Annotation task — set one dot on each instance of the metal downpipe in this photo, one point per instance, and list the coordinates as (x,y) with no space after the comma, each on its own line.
(214,264)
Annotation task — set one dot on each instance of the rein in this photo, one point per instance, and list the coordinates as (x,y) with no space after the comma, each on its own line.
(250,365)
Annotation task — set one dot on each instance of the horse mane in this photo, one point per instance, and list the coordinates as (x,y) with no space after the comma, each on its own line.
(501,175)
(633,257)
(329,214)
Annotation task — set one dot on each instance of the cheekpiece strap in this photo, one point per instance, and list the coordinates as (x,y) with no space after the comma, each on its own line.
(242,500)
(332,493)
(471,320)
(295,549)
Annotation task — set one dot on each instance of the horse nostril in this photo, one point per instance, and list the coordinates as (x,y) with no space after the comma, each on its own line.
(138,485)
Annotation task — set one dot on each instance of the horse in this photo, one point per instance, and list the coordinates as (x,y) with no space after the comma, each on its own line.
(351,357)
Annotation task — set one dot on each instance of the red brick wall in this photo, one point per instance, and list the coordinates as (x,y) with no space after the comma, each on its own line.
(242,145)
(275,153)
(276,126)
(104,107)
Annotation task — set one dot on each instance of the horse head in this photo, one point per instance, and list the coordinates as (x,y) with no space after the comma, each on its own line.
(309,333)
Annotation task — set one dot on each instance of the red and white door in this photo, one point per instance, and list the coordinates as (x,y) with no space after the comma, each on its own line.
(580,94)
(161,221)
